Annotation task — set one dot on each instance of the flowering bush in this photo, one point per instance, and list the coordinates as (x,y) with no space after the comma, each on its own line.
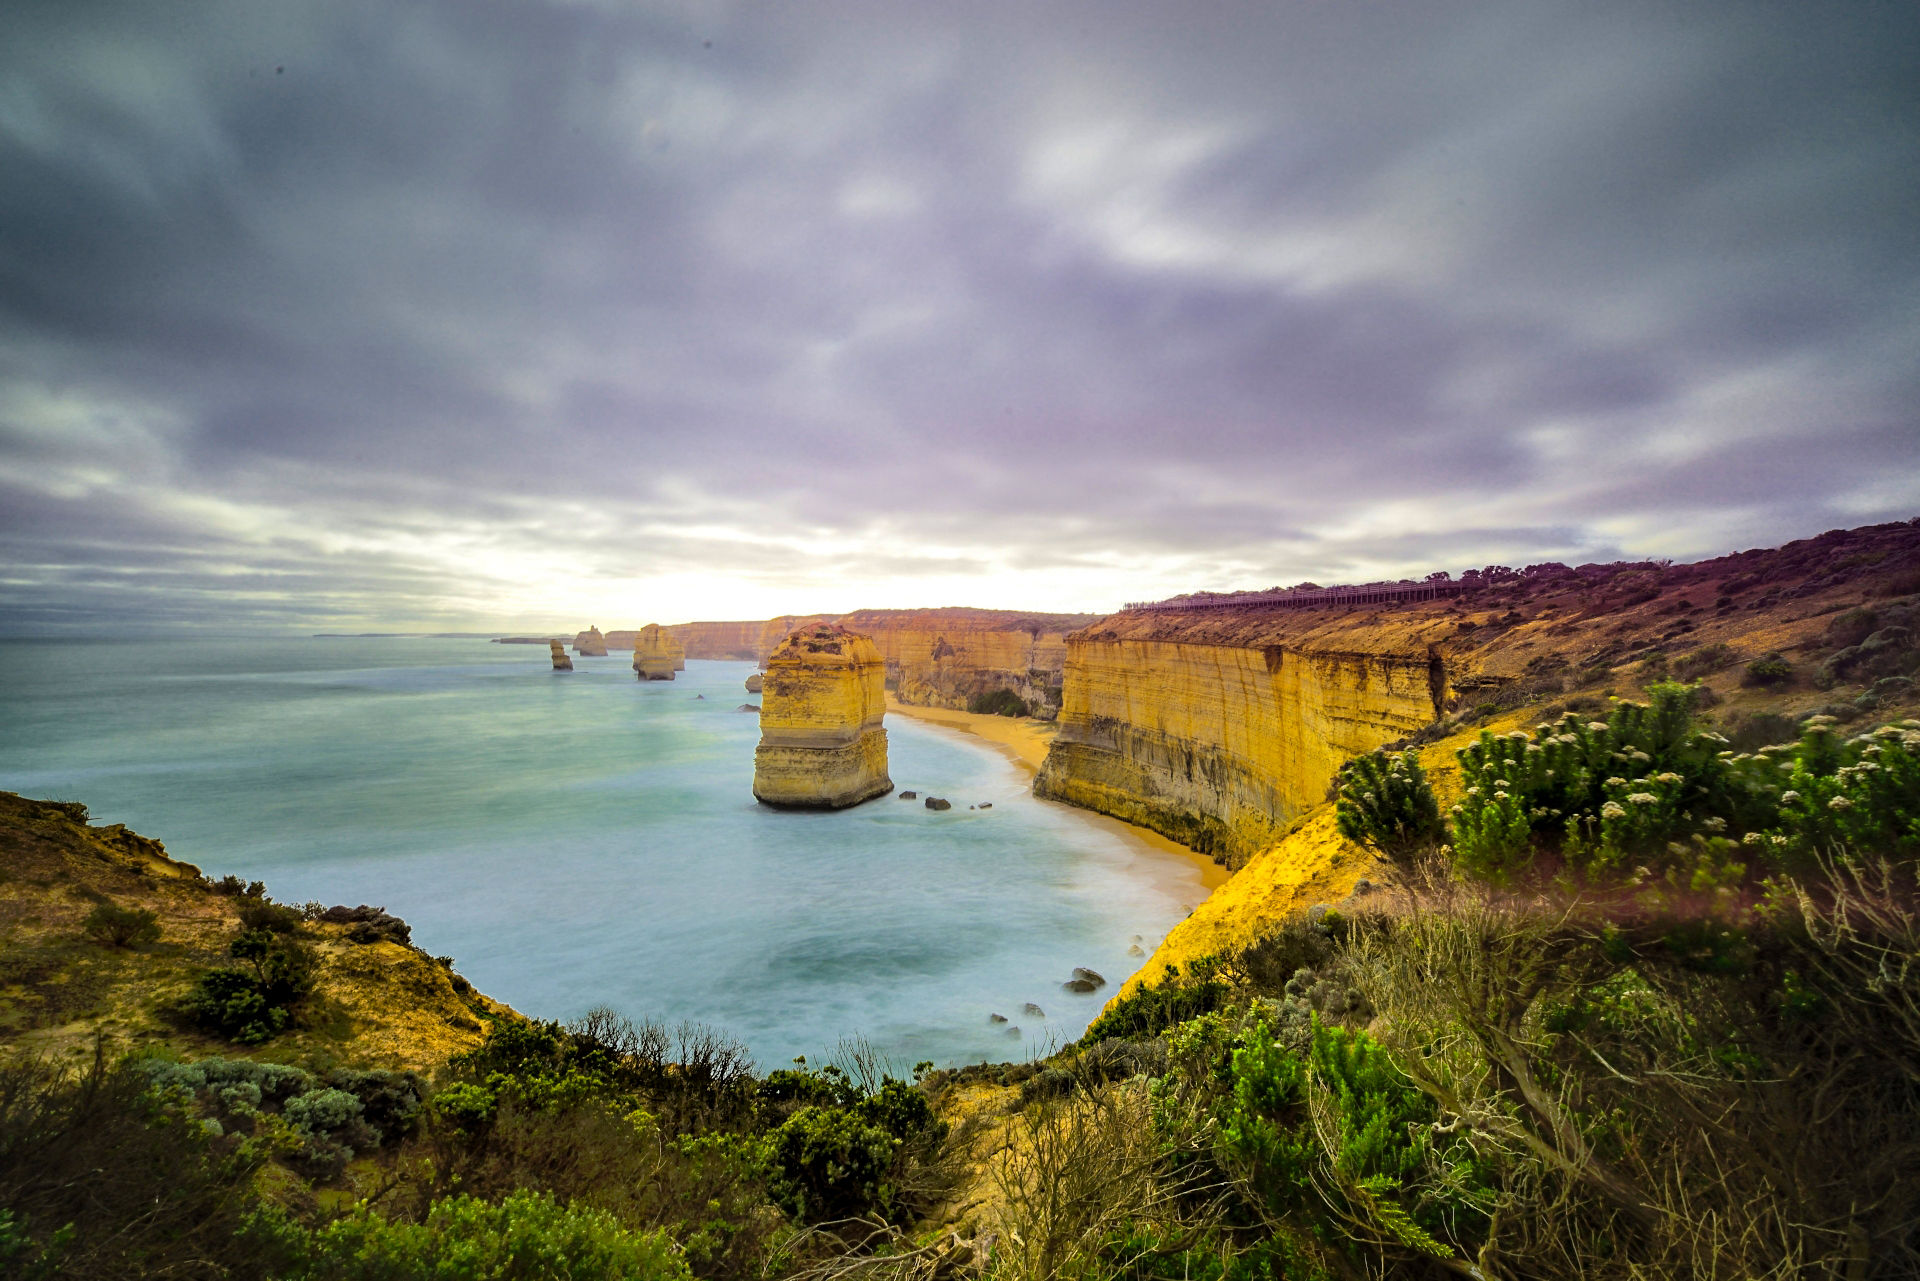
(1386,803)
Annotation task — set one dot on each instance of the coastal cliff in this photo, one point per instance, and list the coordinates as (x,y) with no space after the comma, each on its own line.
(934,657)
(376,1001)
(822,744)
(590,644)
(1219,725)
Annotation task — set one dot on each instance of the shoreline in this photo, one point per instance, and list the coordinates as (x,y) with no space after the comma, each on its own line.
(1025,743)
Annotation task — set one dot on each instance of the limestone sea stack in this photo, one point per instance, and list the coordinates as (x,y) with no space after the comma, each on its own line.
(821,741)
(677,650)
(652,659)
(561,663)
(590,644)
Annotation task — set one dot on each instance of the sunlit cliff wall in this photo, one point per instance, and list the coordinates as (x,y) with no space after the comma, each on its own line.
(1218,735)
(822,741)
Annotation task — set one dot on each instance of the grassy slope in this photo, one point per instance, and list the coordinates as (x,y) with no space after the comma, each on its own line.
(377,1005)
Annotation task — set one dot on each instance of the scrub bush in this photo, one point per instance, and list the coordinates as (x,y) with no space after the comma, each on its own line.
(999,702)
(121,926)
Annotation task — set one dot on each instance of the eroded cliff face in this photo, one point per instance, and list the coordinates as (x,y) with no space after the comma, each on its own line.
(1219,727)
(948,657)
(822,742)
(1220,745)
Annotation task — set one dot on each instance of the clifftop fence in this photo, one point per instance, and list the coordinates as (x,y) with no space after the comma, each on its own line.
(1306,597)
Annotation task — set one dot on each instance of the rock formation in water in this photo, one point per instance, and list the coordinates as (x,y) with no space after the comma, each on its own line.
(676,651)
(561,663)
(590,644)
(652,659)
(754,683)
(822,745)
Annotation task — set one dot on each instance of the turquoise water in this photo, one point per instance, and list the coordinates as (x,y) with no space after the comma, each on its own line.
(584,839)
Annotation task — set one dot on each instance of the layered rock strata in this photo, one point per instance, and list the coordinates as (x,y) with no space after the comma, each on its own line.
(822,742)
(653,658)
(934,657)
(1220,726)
(561,663)
(1218,741)
(590,644)
(676,651)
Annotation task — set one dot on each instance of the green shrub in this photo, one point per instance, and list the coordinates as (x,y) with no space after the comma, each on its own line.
(1767,671)
(831,1163)
(1148,1011)
(262,913)
(1708,658)
(527,1236)
(999,702)
(254,1004)
(121,926)
(1384,802)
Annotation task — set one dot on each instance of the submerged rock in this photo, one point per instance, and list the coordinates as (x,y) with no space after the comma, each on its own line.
(1135,950)
(561,663)
(747,707)
(937,803)
(986,805)
(653,654)
(1077,985)
(1031,1008)
(1091,976)
(909,796)
(822,741)
(996,1018)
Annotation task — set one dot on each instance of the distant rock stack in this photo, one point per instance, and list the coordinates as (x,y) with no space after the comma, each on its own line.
(652,659)
(590,644)
(821,741)
(561,663)
(754,683)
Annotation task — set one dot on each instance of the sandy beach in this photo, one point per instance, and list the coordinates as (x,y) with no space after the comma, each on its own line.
(1025,742)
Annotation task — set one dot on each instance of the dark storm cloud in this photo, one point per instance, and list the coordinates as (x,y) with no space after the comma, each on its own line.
(444,312)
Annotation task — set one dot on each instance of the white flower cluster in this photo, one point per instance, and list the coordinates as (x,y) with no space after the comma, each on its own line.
(1788,798)
(1613,809)
(1839,803)
(1642,798)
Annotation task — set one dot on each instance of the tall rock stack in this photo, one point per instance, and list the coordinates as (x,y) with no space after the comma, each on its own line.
(677,649)
(561,663)
(821,741)
(652,659)
(590,644)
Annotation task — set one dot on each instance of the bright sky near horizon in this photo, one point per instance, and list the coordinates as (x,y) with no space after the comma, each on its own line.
(469,314)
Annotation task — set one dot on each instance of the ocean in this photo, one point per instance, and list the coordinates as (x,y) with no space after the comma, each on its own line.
(583,839)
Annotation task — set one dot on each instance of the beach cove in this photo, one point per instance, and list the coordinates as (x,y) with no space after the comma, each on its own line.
(582,839)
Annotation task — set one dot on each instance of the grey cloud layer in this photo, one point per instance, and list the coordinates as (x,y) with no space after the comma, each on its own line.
(1174,295)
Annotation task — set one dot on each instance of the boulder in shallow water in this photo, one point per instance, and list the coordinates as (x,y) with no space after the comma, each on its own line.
(986,805)
(996,1018)
(1091,976)
(938,803)
(1034,1010)
(755,683)
(747,707)
(1135,950)
(1077,985)
(909,796)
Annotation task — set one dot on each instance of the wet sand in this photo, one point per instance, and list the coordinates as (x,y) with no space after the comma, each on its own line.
(1025,742)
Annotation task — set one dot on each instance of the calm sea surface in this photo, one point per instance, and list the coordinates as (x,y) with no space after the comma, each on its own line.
(584,839)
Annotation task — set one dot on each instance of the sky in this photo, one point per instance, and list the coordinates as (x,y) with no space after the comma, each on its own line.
(392,314)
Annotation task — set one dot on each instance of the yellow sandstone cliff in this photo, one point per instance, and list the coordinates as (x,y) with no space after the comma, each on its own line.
(1220,725)
(590,644)
(822,745)
(653,656)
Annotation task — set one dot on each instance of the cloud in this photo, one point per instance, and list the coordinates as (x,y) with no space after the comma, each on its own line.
(462,314)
